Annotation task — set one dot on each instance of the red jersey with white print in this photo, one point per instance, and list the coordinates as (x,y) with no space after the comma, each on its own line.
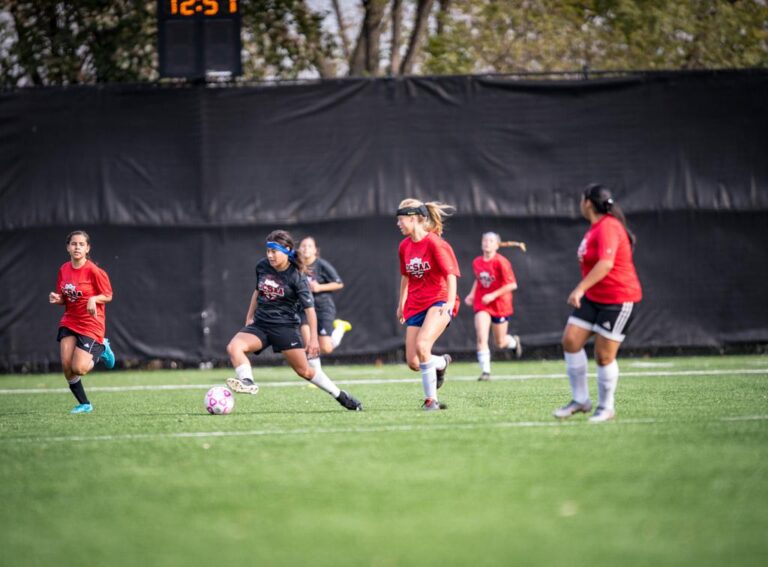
(607,239)
(491,275)
(427,264)
(77,286)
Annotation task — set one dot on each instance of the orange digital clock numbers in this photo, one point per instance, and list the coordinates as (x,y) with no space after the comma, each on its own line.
(204,7)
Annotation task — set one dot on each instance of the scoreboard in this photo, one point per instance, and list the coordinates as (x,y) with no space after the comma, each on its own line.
(198,37)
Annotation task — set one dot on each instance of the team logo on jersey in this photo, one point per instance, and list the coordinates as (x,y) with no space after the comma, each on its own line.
(416,267)
(270,288)
(485,279)
(71,292)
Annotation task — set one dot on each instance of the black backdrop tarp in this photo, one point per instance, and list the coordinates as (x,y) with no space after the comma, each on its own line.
(178,187)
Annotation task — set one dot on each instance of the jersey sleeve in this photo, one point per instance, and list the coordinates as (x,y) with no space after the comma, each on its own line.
(608,238)
(507,273)
(329,273)
(445,258)
(101,283)
(303,292)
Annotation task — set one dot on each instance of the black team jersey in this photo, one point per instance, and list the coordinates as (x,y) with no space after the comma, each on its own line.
(322,272)
(281,295)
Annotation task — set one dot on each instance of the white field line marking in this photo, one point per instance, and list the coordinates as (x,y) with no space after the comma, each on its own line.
(344,430)
(377,381)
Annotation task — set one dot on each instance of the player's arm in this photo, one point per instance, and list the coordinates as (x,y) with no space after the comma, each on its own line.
(597,273)
(403,297)
(470,299)
(450,301)
(494,295)
(252,307)
(322,287)
(94,299)
(313,347)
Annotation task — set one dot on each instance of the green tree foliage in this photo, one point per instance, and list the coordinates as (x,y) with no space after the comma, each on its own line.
(563,35)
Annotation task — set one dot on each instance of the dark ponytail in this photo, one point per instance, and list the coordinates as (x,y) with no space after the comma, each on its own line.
(602,200)
(284,239)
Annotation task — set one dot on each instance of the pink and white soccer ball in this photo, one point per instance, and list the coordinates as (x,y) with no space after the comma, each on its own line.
(219,400)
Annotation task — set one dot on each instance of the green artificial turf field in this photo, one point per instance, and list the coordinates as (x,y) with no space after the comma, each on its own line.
(290,478)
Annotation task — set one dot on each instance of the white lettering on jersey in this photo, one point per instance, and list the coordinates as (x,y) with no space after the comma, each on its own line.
(271,289)
(485,279)
(416,267)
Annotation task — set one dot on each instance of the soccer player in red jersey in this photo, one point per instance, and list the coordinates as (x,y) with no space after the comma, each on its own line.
(491,298)
(603,303)
(428,298)
(272,320)
(83,289)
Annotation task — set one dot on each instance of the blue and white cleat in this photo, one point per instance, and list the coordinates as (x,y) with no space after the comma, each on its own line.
(108,356)
(82,408)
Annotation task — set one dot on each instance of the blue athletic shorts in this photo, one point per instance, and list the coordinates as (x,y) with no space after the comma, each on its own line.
(418,319)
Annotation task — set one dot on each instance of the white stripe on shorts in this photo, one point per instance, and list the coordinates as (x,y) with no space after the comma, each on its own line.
(621,320)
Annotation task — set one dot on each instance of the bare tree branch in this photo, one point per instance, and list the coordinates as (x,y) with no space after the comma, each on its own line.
(417,36)
(397,23)
(342,29)
(365,57)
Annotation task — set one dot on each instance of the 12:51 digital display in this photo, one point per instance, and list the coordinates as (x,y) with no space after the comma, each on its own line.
(200,7)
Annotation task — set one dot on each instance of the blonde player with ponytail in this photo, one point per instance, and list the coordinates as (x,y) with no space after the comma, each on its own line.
(491,298)
(428,291)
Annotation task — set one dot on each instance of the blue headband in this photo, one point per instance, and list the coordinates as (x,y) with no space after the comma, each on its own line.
(276,246)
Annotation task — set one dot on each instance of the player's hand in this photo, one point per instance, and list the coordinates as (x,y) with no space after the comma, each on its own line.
(574,299)
(54,298)
(91,307)
(313,348)
(470,300)
(487,298)
(400,315)
(314,287)
(521,246)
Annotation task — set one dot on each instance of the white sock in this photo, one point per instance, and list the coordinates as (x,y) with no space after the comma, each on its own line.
(322,381)
(511,342)
(607,378)
(429,379)
(74,380)
(336,335)
(244,371)
(576,368)
(439,362)
(484,358)
(315,362)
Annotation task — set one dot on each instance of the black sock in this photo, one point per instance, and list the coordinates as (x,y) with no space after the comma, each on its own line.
(79,392)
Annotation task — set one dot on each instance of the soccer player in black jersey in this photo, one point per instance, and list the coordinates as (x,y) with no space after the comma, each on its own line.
(323,281)
(272,320)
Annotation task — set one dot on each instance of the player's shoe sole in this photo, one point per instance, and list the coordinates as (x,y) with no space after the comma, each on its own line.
(571,408)
(242,387)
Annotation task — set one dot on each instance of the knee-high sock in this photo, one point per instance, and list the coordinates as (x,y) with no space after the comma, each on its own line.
(576,368)
(337,334)
(484,358)
(244,371)
(76,386)
(429,379)
(607,379)
(321,380)
(511,342)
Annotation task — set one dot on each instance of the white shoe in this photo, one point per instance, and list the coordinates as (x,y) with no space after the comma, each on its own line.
(245,386)
(602,415)
(571,408)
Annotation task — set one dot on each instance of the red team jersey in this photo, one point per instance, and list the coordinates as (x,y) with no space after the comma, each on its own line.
(608,240)
(427,264)
(76,286)
(490,275)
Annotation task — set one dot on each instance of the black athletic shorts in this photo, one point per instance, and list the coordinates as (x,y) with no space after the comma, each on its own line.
(88,344)
(611,320)
(325,319)
(280,337)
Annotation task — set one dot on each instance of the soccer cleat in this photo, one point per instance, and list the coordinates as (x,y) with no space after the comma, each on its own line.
(441,373)
(518,346)
(244,386)
(349,402)
(108,356)
(433,405)
(82,408)
(573,407)
(342,323)
(602,415)
(484,377)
